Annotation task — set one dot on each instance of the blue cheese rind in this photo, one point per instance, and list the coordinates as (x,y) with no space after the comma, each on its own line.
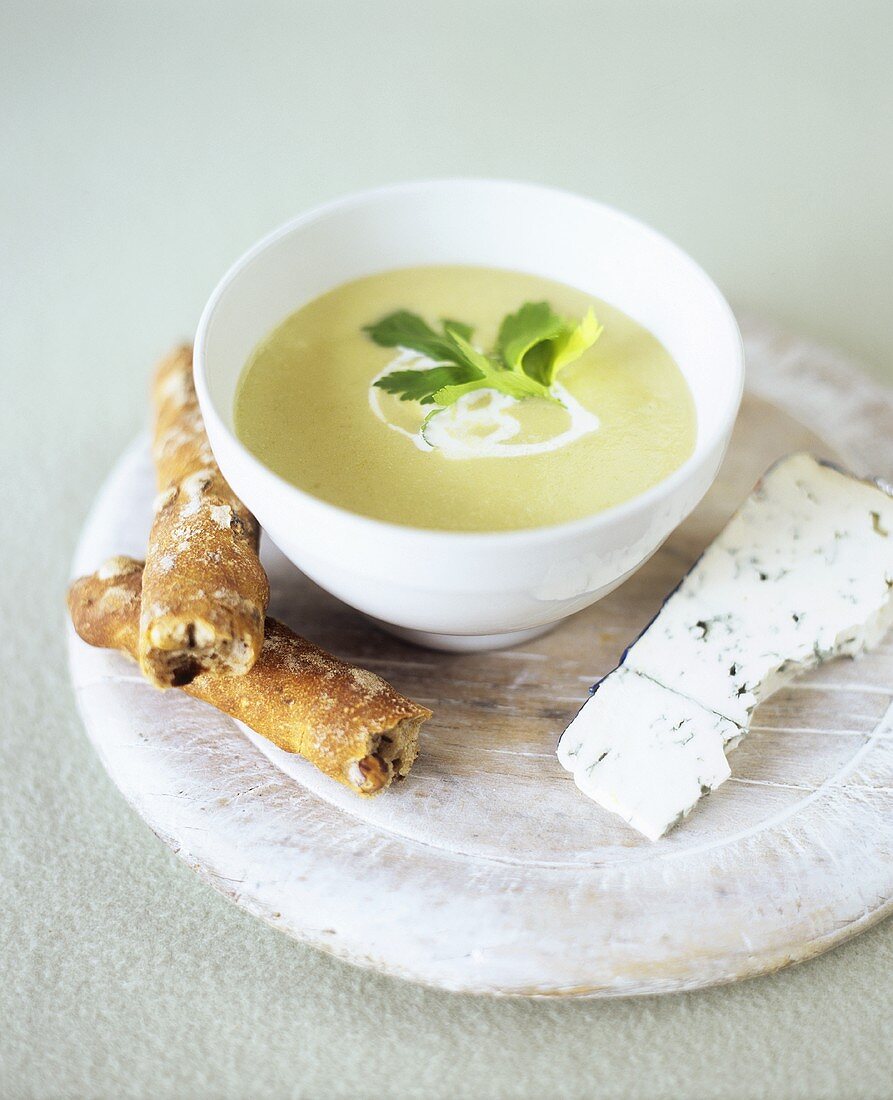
(803,573)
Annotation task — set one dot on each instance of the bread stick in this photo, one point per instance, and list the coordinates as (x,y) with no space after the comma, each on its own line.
(348,722)
(204,589)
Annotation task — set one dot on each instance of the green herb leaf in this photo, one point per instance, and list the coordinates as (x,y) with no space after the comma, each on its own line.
(504,381)
(535,323)
(539,343)
(470,355)
(407,330)
(491,375)
(421,385)
(574,342)
(534,344)
(465,331)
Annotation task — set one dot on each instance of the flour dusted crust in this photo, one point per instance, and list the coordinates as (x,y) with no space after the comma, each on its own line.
(348,722)
(105,607)
(204,589)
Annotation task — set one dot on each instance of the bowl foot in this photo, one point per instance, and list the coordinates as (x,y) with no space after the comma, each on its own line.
(465,643)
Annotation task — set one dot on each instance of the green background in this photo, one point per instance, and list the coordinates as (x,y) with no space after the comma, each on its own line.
(142,148)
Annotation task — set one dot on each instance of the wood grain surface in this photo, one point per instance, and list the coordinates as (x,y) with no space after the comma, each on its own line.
(488,871)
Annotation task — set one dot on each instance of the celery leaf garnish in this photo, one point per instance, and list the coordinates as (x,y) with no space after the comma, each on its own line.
(407,330)
(491,376)
(573,342)
(533,346)
(538,342)
(422,385)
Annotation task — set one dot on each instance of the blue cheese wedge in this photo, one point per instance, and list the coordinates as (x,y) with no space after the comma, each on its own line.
(645,752)
(803,573)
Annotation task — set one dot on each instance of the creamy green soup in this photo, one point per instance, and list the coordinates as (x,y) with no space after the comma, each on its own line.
(313,404)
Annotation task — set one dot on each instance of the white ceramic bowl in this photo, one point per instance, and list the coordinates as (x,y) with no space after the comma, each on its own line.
(447,589)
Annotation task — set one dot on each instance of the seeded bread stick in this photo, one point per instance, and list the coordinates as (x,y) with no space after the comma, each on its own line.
(204,589)
(348,722)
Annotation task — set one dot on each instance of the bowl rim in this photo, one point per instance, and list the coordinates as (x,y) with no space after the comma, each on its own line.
(721,425)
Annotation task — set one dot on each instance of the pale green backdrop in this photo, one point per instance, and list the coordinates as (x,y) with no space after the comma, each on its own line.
(142,147)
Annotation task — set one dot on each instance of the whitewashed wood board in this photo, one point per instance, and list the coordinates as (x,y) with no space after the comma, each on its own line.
(487,871)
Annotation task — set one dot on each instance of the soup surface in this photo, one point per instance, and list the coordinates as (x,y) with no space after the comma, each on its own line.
(621,418)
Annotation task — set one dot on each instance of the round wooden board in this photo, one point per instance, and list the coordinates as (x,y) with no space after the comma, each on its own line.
(487,871)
